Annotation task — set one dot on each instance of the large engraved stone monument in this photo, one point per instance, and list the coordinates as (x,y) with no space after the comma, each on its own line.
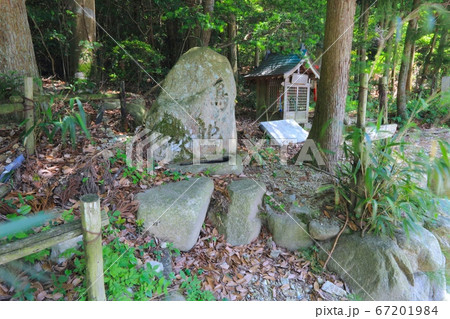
(195,108)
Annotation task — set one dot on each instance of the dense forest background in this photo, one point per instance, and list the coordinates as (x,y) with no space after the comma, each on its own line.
(381,62)
(157,33)
(406,41)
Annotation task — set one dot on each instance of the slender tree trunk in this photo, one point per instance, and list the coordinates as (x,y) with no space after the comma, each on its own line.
(365,29)
(82,56)
(362,151)
(404,68)
(257,56)
(232,32)
(328,120)
(440,54)
(151,36)
(411,64)
(383,99)
(208,9)
(389,52)
(172,40)
(427,62)
(16,46)
(394,66)
(195,32)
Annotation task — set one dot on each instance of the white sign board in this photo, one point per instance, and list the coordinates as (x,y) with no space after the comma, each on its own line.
(445,86)
(284,132)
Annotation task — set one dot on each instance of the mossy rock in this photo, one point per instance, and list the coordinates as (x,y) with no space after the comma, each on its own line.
(197,101)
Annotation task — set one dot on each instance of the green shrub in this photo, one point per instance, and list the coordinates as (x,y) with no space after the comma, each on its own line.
(65,122)
(124,280)
(124,67)
(193,288)
(390,194)
(437,112)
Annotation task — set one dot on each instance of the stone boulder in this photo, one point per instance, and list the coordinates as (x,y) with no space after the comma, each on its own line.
(288,231)
(380,268)
(242,223)
(196,102)
(58,249)
(175,212)
(136,107)
(324,228)
(304,213)
(441,229)
(439,181)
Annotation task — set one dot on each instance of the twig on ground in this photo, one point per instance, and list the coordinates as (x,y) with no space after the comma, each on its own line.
(337,239)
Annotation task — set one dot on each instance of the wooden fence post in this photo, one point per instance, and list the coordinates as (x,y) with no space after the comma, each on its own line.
(29,115)
(92,236)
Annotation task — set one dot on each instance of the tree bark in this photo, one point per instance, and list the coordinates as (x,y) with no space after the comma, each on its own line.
(257,56)
(365,29)
(383,98)
(328,120)
(208,9)
(404,68)
(16,46)
(172,41)
(411,64)
(427,62)
(394,66)
(82,57)
(440,57)
(232,32)
(195,32)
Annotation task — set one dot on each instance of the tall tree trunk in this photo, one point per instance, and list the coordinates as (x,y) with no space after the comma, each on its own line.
(172,40)
(365,29)
(82,57)
(151,36)
(404,68)
(195,32)
(440,57)
(389,53)
(257,56)
(427,62)
(328,120)
(411,64)
(394,66)
(232,32)
(16,46)
(208,9)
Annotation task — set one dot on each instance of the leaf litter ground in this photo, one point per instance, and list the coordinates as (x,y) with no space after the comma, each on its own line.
(56,177)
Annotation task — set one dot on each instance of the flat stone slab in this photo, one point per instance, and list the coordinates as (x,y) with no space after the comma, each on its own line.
(284,132)
(222,168)
(384,132)
(175,212)
(333,289)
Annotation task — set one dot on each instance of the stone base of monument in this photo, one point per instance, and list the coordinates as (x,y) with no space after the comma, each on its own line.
(225,166)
